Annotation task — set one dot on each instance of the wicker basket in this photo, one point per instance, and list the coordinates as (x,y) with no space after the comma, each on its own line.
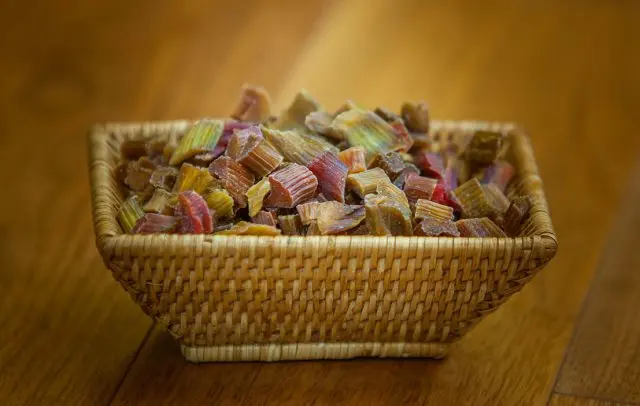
(244,298)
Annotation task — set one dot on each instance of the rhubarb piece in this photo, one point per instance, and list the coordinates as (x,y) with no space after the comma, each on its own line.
(256,194)
(386,114)
(393,192)
(479,227)
(331,174)
(291,224)
(254,105)
(132,150)
(416,116)
(239,139)
(193,178)
(259,156)
(431,164)
(294,146)
(496,198)
(294,117)
(201,137)
(515,215)
(418,187)
(155,223)
(386,216)
(346,106)
(499,174)
(246,228)
(130,213)
(409,168)
(308,212)
(290,186)
(367,130)
(160,203)
(164,177)
(316,141)
(428,209)
(221,201)
(474,200)
(194,214)
(405,140)
(483,148)
(169,148)
(422,141)
(320,122)
(354,158)
(264,217)
(234,177)
(366,182)
(313,229)
(391,163)
(335,218)
(431,227)
(139,173)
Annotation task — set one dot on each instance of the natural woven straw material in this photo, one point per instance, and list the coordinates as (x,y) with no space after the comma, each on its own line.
(244,298)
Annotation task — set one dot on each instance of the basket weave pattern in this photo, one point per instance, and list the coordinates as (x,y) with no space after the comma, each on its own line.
(276,298)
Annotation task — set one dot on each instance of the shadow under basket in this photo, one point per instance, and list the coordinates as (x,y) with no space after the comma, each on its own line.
(257,298)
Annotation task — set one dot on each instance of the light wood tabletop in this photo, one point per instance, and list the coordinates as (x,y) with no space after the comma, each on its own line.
(567,71)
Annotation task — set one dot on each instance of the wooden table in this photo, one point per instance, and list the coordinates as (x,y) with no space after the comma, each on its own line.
(567,71)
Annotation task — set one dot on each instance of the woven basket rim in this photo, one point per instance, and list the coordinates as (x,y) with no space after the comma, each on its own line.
(109,234)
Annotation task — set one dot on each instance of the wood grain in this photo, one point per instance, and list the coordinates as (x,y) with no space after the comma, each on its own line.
(566,70)
(562,400)
(505,61)
(603,359)
(68,331)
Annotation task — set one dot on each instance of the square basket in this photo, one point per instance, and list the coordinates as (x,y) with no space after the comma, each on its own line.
(258,298)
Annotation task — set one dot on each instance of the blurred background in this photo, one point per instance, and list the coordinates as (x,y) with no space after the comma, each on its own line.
(567,71)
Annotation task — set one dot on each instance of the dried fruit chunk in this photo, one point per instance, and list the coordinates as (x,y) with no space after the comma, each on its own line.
(386,114)
(334,218)
(515,214)
(254,104)
(409,168)
(416,116)
(164,177)
(474,201)
(496,198)
(366,182)
(367,130)
(294,146)
(393,192)
(239,139)
(479,227)
(256,194)
(155,223)
(405,140)
(320,122)
(313,229)
(291,224)
(431,227)
(290,186)
(161,202)
(418,187)
(386,216)
(139,173)
(234,177)
(431,164)
(331,174)
(259,156)
(499,174)
(201,137)
(354,158)
(483,148)
(294,117)
(264,217)
(130,213)
(308,212)
(131,150)
(346,106)
(221,201)
(391,163)
(193,178)
(428,209)
(246,228)
(194,214)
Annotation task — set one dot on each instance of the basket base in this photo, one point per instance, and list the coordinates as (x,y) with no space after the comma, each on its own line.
(313,351)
